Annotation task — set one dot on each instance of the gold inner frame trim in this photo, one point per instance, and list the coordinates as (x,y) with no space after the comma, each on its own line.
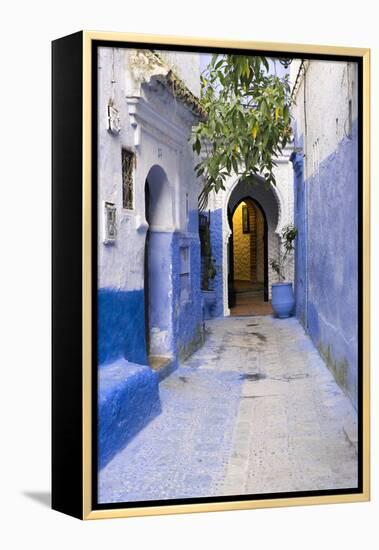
(364,53)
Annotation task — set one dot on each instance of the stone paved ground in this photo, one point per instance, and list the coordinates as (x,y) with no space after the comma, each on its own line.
(254,411)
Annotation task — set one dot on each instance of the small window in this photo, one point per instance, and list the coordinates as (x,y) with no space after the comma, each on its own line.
(128,161)
(110,224)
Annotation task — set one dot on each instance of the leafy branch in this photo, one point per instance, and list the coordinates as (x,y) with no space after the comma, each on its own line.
(247,122)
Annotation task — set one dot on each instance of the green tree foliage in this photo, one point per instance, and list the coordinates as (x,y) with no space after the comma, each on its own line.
(246,122)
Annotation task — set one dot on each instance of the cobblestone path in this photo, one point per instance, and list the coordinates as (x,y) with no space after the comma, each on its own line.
(255,410)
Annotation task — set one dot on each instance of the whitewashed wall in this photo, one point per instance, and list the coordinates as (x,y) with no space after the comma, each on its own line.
(329,85)
(157,130)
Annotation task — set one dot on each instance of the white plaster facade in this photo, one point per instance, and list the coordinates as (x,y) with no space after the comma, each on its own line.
(156,127)
(323,93)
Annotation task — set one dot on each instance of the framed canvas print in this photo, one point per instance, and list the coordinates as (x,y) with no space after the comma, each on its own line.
(210,275)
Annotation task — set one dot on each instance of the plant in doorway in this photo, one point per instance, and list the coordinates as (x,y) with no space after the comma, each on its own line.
(283,300)
(209,270)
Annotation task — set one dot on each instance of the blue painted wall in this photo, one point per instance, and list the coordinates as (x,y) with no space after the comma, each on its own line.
(121,326)
(297,160)
(216,242)
(328,230)
(128,400)
(121,314)
(188,325)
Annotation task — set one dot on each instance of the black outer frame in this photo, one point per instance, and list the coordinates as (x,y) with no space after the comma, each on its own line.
(67,206)
(67,407)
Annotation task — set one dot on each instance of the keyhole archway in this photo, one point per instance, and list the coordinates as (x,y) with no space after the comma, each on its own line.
(268,202)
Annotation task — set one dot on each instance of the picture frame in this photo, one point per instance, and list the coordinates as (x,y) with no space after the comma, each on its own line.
(82,124)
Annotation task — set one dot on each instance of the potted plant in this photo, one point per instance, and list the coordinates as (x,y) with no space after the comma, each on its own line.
(208,267)
(283,300)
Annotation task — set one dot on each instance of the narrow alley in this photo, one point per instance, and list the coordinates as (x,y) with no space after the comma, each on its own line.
(254,411)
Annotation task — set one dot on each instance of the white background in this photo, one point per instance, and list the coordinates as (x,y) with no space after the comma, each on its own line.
(26,31)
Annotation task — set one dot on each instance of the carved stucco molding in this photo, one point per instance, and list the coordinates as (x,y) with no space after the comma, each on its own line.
(144,117)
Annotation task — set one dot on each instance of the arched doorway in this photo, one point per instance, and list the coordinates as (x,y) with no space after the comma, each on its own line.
(248,259)
(270,201)
(157,268)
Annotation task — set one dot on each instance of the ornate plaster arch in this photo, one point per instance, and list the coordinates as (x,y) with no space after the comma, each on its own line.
(280,203)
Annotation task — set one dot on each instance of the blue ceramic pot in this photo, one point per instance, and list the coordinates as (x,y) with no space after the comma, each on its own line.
(283,300)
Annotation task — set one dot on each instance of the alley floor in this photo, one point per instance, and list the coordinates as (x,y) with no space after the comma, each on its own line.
(254,411)
(249,299)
